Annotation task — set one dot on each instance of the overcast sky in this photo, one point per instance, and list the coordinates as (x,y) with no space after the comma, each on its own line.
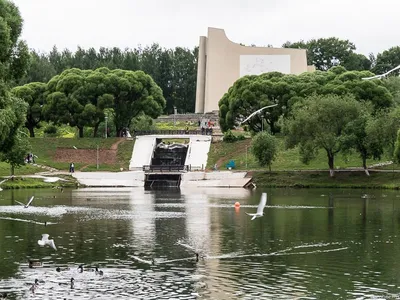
(372,25)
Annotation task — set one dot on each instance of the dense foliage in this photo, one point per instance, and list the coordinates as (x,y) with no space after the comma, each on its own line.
(264,148)
(13,62)
(80,97)
(250,93)
(174,70)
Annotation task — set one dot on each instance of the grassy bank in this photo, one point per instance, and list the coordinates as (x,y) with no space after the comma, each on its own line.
(45,149)
(287,159)
(28,182)
(321,179)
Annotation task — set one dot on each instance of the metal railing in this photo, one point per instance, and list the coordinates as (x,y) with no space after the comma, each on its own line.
(205,131)
(166,168)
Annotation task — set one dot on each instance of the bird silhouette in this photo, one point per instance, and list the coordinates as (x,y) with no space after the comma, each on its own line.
(99,272)
(34,286)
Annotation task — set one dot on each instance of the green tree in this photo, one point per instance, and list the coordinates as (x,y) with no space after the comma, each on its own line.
(320,122)
(14,58)
(63,106)
(396,153)
(15,156)
(173,70)
(184,70)
(324,53)
(388,60)
(134,93)
(392,83)
(264,148)
(34,95)
(364,137)
(250,93)
(141,122)
(40,69)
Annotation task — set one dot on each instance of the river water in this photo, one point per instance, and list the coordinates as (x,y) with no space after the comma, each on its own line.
(310,244)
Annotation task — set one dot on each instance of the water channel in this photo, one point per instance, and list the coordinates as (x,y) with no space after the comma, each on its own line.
(310,244)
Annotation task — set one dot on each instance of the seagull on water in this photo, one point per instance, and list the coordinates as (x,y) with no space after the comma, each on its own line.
(26,205)
(260,208)
(45,241)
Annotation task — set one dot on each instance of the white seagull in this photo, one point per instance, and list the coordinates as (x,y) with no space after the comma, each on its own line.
(260,208)
(45,241)
(26,205)
(381,75)
(256,112)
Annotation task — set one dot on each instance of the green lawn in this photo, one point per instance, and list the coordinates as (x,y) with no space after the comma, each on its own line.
(321,179)
(287,159)
(45,148)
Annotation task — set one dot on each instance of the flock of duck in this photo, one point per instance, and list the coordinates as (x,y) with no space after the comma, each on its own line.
(37,264)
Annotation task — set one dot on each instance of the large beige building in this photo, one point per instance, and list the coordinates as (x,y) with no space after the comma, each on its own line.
(221,62)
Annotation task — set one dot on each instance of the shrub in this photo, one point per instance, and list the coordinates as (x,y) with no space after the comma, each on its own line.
(229,137)
(51,130)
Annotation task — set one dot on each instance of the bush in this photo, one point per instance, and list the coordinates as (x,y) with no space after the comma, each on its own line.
(264,148)
(51,130)
(142,122)
(240,137)
(229,137)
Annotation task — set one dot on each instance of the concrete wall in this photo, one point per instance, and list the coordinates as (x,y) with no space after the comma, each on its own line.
(127,179)
(142,152)
(197,155)
(221,62)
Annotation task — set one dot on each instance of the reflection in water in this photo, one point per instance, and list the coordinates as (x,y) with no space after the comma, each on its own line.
(143,228)
(310,244)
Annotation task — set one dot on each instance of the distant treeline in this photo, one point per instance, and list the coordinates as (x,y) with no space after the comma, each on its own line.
(175,70)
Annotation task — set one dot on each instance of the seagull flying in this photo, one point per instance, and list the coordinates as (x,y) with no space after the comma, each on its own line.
(26,205)
(260,208)
(381,75)
(45,241)
(256,112)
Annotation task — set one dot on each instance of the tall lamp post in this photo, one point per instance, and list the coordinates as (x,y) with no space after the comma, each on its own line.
(262,123)
(246,156)
(106,125)
(174,114)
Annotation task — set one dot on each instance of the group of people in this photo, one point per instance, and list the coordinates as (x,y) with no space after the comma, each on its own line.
(206,126)
(30,158)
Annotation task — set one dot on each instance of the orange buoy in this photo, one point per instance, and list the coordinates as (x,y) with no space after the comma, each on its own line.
(237,204)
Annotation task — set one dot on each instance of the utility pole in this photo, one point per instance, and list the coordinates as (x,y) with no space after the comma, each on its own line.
(106,125)
(97,157)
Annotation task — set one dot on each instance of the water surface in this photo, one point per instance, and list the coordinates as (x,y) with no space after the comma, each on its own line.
(310,244)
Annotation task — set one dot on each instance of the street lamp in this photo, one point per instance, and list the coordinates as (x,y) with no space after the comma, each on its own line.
(246,156)
(262,123)
(174,114)
(106,124)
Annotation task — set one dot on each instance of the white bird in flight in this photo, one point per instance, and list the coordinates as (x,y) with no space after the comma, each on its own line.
(256,112)
(260,208)
(381,75)
(26,205)
(45,241)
